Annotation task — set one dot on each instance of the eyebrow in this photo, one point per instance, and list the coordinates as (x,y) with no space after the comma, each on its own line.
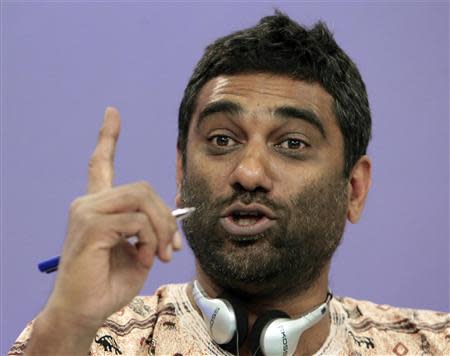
(284,112)
(289,112)
(222,106)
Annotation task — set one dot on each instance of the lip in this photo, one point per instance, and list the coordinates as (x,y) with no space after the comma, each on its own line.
(260,226)
(264,223)
(264,210)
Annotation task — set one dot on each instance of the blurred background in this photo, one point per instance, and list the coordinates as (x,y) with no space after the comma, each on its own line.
(64,62)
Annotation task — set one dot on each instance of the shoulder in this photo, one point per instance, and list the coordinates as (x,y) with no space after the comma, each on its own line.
(384,314)
(130,330)
(127,330)
(144,307)
(391,329)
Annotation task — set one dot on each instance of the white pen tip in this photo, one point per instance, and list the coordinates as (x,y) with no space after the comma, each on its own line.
(183,212)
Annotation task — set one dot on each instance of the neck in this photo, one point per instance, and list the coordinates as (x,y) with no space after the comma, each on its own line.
(295,306)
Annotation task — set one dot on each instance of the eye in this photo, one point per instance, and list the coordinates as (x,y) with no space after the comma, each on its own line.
(293,144)
(222,141)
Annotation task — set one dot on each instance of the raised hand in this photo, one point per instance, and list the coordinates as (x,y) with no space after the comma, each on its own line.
(100,271)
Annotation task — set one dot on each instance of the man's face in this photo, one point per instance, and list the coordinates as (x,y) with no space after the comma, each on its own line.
(264,167)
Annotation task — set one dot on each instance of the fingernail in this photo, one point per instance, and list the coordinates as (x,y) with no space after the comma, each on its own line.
(177,241)
(169,251)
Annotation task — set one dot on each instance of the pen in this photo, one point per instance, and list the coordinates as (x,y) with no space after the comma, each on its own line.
(51,265)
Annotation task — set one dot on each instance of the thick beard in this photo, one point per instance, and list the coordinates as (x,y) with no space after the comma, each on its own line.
(282,261)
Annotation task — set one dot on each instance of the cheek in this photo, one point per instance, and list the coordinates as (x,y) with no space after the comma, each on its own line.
(214,175)
(293,182)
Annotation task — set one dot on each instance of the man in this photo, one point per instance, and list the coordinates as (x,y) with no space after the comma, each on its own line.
(273,131)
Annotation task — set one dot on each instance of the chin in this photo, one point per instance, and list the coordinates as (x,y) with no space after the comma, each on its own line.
(248,271)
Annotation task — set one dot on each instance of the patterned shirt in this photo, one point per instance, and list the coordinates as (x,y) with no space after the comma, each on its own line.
(167,324)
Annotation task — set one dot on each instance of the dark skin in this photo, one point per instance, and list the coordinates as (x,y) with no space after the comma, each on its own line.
(268,153)
(247,130)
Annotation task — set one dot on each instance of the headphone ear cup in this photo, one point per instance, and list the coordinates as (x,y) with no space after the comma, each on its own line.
(259,326)
(241,315)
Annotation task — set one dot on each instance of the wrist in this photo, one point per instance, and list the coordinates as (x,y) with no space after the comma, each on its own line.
(56,333)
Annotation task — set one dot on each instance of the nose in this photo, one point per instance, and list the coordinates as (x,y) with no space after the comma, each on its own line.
(252,170)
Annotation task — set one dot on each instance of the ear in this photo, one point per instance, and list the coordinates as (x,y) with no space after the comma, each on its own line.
(179,179)
(360,181)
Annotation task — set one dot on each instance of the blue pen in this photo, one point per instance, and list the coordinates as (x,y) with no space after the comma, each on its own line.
(51,265)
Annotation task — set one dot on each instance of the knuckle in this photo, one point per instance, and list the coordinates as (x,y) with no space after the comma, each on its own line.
(160,232)
(142,184)
(145,187)
(171,223)
(167,233)
(94,161)
(85,218)
(76,205)
(102,132)
(129,195)
(82,228)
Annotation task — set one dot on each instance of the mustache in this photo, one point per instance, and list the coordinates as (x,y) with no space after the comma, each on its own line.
(244,197)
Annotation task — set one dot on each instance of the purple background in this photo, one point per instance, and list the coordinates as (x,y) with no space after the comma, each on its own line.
(63,63)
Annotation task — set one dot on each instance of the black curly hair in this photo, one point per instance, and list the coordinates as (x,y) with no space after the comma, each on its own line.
(278,45)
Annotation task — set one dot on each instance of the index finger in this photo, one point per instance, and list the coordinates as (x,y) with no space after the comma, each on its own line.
(101,164)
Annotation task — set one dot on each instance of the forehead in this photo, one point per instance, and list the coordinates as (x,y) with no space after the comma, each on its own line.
(260,93)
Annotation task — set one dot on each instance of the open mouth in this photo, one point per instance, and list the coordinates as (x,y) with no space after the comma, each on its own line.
(247,220)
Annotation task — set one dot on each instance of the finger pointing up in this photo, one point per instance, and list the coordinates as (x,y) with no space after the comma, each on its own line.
(101,164)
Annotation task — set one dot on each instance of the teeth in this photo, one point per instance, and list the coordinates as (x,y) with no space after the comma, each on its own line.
(246,221)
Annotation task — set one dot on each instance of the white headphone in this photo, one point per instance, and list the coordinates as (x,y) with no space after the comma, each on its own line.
(274,332)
